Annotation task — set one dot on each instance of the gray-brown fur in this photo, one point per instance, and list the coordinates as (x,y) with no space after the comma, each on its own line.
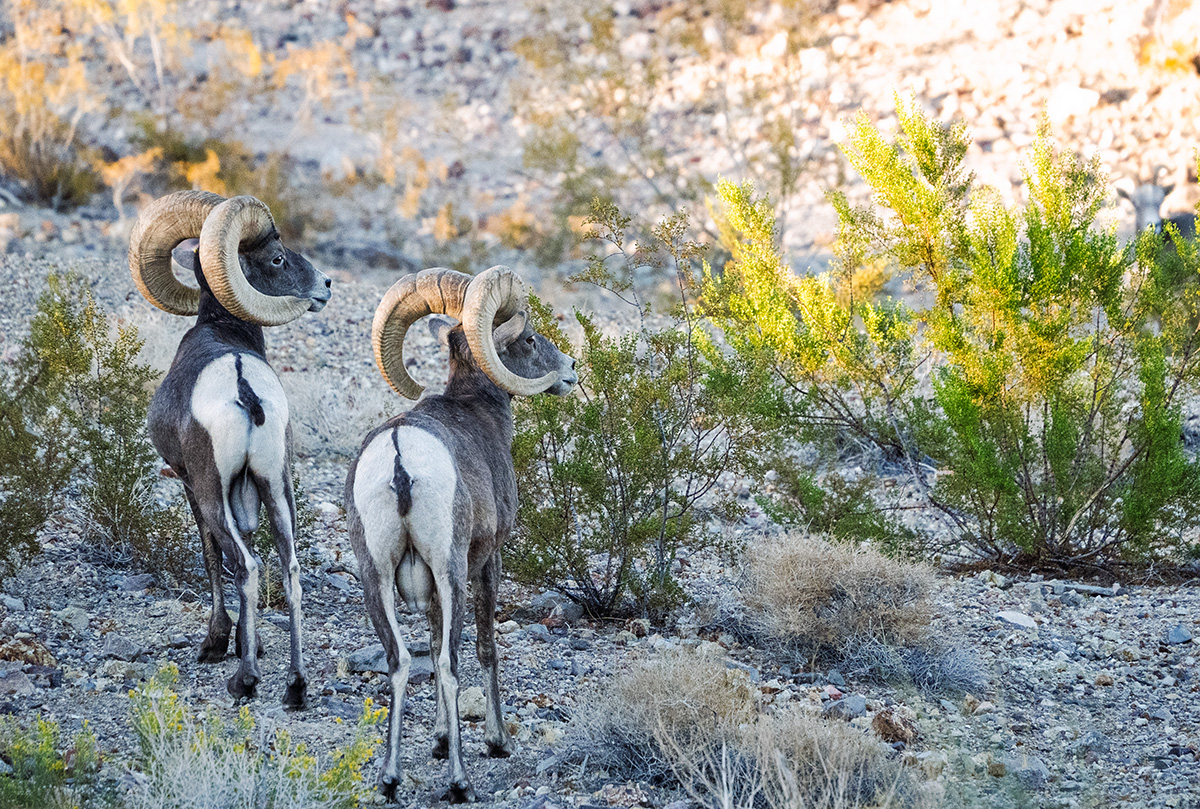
(472,421)
(226,503)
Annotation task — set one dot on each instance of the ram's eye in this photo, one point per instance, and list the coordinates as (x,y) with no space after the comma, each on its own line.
(277,261)
(529,339)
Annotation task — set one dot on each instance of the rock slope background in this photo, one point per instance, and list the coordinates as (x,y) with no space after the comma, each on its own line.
(407,133)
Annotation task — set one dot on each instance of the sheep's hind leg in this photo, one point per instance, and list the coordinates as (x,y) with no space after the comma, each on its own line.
(281,511)
(487,589)
(380,598)
(215,645)
(441,724)
(450,595)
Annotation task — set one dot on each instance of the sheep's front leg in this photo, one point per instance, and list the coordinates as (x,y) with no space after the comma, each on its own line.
(281,510)
(487,590)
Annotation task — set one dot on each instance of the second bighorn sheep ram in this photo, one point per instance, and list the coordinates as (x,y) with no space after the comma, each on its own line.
(1147,200)
(220,417)
(433,494)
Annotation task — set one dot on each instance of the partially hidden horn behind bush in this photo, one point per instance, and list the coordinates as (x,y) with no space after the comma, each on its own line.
(480,303)
(221,225)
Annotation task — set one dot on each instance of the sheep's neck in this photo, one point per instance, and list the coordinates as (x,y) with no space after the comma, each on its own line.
(469,383)
(233,330)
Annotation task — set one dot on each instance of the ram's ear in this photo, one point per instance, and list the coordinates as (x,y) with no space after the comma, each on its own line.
(1123,194)
(1167,189)
(439,327)
(507,332)
(185,254)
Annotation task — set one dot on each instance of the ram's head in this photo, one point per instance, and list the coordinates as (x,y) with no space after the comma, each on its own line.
(239,256)
(492,308)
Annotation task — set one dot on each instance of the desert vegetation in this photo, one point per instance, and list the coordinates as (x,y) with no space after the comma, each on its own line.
(879,484)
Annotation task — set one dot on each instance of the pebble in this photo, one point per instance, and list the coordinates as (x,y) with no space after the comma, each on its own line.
(12,603)
(1178,634)
(74,617)
(120,647)
(137,583)
(849,707)
(472,705)
(1017,619)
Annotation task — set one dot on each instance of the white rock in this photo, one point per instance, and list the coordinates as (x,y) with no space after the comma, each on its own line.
(1017,619)
(472,704)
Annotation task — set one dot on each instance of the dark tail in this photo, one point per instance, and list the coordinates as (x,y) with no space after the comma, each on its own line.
(401,482)
(247,398)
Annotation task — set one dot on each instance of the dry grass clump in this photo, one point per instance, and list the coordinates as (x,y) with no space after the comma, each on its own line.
(810,592)
(685,718)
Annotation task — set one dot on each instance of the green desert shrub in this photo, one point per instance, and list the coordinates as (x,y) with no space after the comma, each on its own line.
(1060,356)
(614,480)
(86,370)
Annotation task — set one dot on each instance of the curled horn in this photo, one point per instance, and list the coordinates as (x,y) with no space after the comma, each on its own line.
(234,221)
(494,296)
(161,226)
(435,291)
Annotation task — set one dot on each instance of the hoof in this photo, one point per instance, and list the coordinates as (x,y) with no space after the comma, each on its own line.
(295,698)
(502,750)
(460,793)
(441,747)
(242,686)
(213,650)
(387,787)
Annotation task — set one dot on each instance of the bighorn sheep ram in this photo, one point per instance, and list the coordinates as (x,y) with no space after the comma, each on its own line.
(220,417)
(433,494)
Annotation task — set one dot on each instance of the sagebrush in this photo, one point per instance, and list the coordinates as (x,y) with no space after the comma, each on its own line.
(685,718)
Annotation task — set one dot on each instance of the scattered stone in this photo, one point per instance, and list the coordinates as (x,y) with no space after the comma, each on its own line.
(1093,742)
(538,632)
(850,707)
(1178,634)
(472,705)
(508,627)
(1029,770)
(983,708)
(136,583)
(15,684)
(27,650)
(341,581)
(893,727)
(1103,679)
(421,669)
(5,768)
(74,617)
(835,677)
(179,641)
(369,658)
(12,603)
(120,647)
(1017,619)
(343,710)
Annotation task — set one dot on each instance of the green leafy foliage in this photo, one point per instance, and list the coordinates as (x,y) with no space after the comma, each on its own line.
(88,375)
(616,478)
(1053,415)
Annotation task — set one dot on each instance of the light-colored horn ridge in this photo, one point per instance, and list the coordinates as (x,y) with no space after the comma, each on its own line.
(495,295)
(160,227)
(434,291)
(234,221)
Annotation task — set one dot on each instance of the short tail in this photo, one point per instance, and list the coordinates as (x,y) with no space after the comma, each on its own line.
(401,482)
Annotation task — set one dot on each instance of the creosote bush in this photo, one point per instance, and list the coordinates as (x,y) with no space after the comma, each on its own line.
(1058,357)
(194,762)
(76,367)
(685,718)
(616,478)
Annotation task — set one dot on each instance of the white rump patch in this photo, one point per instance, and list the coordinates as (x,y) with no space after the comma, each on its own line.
(417,545)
